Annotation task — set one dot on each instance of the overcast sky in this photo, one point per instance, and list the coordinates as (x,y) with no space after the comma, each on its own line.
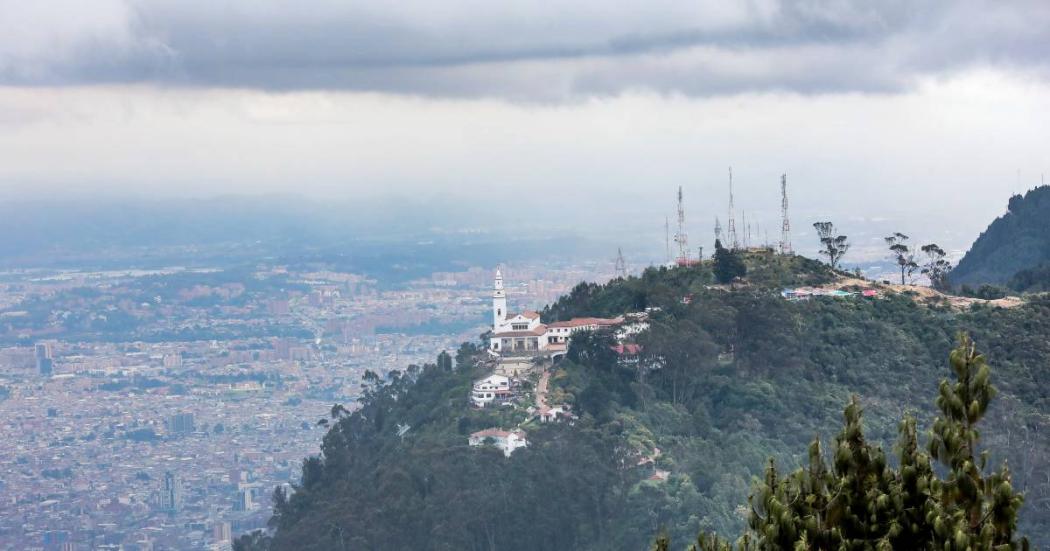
(872,108)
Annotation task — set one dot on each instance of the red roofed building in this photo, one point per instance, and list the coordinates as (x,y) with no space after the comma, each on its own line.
(523,333)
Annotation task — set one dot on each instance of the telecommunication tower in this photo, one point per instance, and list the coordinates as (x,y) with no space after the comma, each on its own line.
(621,264)
(667,238)
(785,225)
(680,237)
(731,232)
(718,229)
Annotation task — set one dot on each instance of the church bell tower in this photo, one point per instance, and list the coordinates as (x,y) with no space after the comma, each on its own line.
(499,302)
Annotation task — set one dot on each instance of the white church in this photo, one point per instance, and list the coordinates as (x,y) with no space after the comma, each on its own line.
(523,333)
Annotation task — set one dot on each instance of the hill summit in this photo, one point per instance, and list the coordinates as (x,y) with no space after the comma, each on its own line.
(613,445)
(1016,241)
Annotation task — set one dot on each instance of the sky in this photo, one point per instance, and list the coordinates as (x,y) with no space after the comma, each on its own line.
(921,113)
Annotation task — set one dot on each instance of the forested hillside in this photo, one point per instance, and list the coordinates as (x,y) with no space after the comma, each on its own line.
(1018,240)
(673,440)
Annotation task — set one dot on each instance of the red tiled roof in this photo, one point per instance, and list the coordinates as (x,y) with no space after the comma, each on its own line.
(628,349)
(579,322)
(527,314)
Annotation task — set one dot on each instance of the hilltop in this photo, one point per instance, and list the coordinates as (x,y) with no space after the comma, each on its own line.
(1017,241)
(668,436)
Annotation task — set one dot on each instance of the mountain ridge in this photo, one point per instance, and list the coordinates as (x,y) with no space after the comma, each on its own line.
(1016,241)
(743,375)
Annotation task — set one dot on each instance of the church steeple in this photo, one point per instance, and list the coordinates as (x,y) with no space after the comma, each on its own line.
(499,302)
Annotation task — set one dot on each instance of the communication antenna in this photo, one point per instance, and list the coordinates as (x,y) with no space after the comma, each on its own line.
(621,264)
(718,229)
(667,238)
(746,241)
(681,238)
(785,224)
(731,232)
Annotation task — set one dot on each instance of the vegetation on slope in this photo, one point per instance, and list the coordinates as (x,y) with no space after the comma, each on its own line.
(862,502)
(1016,241)
(727,379)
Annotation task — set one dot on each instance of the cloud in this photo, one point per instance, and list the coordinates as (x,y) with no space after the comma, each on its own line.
(516,49)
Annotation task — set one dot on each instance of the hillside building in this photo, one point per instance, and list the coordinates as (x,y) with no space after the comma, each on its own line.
(494,388)
(524,334)
(505,440)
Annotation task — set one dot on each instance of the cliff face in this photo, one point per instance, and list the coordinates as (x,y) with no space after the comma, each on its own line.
(1017,240)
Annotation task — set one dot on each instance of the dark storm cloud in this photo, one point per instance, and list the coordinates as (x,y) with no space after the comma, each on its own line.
(518,50)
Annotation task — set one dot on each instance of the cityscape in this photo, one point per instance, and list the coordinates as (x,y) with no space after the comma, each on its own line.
(159,409)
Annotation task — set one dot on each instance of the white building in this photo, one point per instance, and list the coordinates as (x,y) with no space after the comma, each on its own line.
(523,333)
(489,389)
(508,441)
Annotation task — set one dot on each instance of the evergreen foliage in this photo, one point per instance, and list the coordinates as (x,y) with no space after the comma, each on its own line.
(728,264)
(1016,241)
(863,503)
(831,245)
(936,267)
(1031,280)
(902,254)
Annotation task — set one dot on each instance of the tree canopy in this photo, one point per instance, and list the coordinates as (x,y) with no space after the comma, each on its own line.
(861,502)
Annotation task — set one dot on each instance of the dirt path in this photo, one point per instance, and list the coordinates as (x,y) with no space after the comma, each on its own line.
(925,294)
(541,389)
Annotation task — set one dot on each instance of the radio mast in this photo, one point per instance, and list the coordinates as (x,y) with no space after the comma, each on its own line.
(621,264)
(667,238)
(785,227)
(681,238)
(731,232)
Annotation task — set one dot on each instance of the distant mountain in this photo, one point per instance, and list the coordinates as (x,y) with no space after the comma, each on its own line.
(1018,240)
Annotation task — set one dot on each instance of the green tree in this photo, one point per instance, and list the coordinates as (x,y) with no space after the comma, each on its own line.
(444,361)
(832,246)
(973,509)
(902,254)
(728,264)
(936,266)
(862,503)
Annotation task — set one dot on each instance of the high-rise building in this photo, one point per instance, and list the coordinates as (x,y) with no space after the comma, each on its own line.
(181,423)
(171,493)
(45,363)
(245,499)
(221,532)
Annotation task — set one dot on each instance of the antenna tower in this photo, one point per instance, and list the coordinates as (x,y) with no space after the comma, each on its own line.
(785,227)
(667,238)
(718,229)
(731,232)
(680,237)
(621,264)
